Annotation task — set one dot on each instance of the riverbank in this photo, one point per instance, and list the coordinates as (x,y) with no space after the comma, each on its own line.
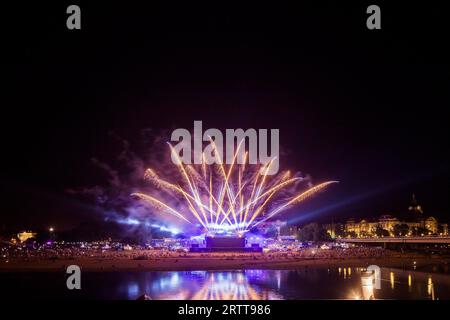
(190,262)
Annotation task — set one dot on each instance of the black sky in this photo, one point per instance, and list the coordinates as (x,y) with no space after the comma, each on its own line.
(367,108)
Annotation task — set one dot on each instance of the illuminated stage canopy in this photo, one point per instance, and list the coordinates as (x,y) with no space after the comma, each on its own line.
(225,243)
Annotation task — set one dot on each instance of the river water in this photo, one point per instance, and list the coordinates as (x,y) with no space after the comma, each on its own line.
(303,283)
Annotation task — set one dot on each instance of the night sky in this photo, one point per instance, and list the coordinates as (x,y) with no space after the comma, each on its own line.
(367,108)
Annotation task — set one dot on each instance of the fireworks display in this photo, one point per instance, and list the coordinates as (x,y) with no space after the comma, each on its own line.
(232,198)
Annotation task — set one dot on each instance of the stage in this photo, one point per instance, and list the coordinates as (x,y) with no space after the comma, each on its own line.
(225,244)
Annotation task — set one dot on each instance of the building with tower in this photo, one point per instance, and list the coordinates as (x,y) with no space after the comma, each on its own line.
(415,209)
(416,224)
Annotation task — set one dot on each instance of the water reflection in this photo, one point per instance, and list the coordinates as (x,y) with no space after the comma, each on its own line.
(202,285)
(430,287)
(367,285)
(305,283)
(391,275)
(234,287)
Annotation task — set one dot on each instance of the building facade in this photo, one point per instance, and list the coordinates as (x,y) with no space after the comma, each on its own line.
(418,224)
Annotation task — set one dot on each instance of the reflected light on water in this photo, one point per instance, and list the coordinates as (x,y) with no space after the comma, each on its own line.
(351,283)
(409,283)
(279,279)
(354,296)
(212,286)
(133,289)
(234,287)
(367,285)
(392,280)
(430,288)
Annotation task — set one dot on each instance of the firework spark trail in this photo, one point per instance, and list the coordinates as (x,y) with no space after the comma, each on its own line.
(299,198)
(232,198)
(160,204)
(226,177)
(188,180)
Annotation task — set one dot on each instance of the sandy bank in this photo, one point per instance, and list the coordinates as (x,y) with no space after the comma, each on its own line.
(208,263)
